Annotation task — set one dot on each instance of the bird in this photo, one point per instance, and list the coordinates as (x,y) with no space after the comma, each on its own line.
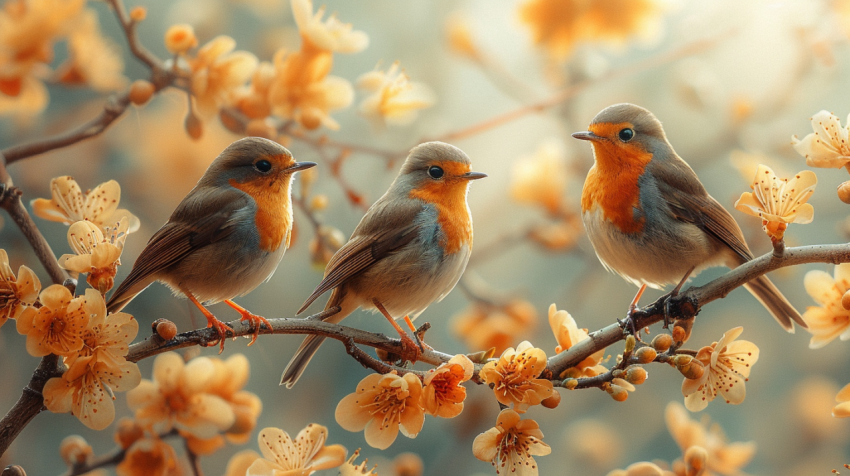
(408,251)
(226,236)
(650,219)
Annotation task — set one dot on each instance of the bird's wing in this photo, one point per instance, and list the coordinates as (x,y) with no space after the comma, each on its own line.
(177,239)
(364,250)
(689,202)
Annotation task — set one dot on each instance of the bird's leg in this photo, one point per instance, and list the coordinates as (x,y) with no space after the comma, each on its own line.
(220,327)
(629,320)
(406,342)
(674,293)
(254,320)
(415,335)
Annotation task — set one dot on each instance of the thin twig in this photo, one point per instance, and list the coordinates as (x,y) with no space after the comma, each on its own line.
(194,460)
(30,404)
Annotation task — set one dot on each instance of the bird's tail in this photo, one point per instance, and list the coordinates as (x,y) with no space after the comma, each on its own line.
(125,293)
(775,302)
(311,344)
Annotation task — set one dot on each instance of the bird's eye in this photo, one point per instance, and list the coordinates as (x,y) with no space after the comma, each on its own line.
(435,172)
(626,134)
(263,165)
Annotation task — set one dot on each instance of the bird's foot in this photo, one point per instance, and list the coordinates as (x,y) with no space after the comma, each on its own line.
(221,328)
(256,322)
(629,322)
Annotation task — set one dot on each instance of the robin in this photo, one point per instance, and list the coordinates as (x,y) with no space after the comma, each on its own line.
(227,235)
(409,250)
(649,218)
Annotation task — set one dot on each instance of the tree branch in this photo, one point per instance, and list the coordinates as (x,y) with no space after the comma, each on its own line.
(688,303)
(30,404)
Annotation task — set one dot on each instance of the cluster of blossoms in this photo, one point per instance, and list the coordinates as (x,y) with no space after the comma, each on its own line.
(704,450)
(541,181)
(560,25)
(98,228)
(296,85)
(29,31)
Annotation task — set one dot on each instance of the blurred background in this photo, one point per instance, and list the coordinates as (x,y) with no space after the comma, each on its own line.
(731,81)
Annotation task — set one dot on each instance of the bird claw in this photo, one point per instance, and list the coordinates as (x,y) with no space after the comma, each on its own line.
(256,322)
(411,350)
(629,322)
(221,329)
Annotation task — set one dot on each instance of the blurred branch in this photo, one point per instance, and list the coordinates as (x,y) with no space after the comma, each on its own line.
(194,460)
(688,303)
(115,106)
(109,459)
(572,91)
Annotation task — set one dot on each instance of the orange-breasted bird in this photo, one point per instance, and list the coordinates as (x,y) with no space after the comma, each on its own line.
(649,218)
(409,250)
(227,235)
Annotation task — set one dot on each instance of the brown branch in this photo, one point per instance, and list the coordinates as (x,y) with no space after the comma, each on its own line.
(138,50)
(688,303)
(30,404)
(194,460)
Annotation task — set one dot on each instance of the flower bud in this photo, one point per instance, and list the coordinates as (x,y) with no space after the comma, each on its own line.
(570,383)
(618,393)
(693,370)
(75,450)
(553,401)
(138,14)
(193,125)
(646,355)
(408,464)
(845,301)
(630,344)
(165,328)
(128,432)
(696,459)
(318,203)
(14,470)
(571,372)
(844,192)
(260,128)
(635,375)
(141,92)
(680,360)
(662,342)
(310,119)
(180,38)
(233,122)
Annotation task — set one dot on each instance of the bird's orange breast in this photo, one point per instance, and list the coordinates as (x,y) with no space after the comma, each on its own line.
(612,182)
(449,198)
(273,217)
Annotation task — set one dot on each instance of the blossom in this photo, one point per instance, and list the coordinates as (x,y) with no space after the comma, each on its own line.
(511,445)
(513,377)
(28,31)
(828,146)
(724,458)
(779,201)
(394,99)
(829,319)
(482,326)
(443,394)
(149,457)
(727,364)
(541,179)
(283,456)
(253,99)
(642,468)
(842,410)
(177,398)
(180,38)
(68,204)
(383,405)
(57,326)
(98,369)
(96,255)
(460,37)
(331,34)
(94,60)
(559,25)
(568,334)
(228,378)
(16,293)
(217,71)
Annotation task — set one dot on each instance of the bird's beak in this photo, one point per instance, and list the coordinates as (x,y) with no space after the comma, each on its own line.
(300,166)
(473,176)
(586,135)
